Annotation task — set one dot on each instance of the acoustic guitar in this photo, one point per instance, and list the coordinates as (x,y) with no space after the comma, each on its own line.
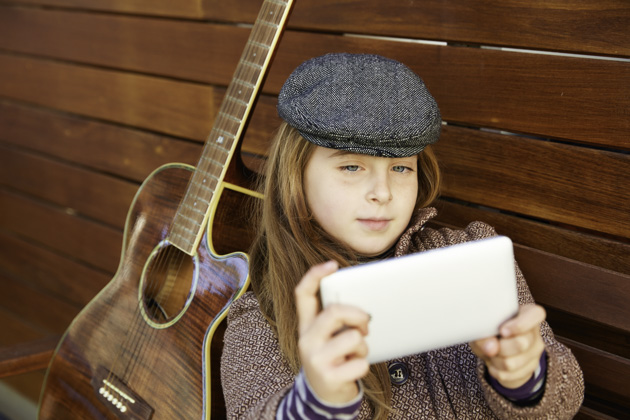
(141,348)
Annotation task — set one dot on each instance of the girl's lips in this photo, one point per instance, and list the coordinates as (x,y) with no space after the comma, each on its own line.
(374,224)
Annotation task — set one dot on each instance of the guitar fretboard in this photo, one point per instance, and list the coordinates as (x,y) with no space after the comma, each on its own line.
(194,210)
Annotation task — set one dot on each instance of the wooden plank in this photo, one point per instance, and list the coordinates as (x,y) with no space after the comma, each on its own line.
(27,356)
(554,25)
(589,332)
(542,95)
(181,8)
(92,194)
(478,168)
(43,312)
(182,49)
(587,413)
(27,384)
(179,108)
(574,287)
(564,183)
(51,273)
(126,152)
(587,248)
(607,377)
(93,243)
(577,99)
(596,27)
(16,330)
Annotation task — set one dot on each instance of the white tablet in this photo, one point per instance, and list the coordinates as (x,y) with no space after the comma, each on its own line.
(431,299)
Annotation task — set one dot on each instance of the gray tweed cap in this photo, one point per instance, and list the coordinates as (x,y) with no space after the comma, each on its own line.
(362,103)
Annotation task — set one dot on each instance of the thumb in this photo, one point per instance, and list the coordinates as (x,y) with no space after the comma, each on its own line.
(306,300)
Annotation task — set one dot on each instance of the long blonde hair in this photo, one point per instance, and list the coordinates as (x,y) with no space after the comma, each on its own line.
(289,241)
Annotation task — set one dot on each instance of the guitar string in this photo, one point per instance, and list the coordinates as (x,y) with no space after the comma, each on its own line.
(164,263)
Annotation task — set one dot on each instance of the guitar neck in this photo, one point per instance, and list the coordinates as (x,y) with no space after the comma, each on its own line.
(201,196)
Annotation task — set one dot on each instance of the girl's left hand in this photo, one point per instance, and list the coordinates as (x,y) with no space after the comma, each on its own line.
(513,356)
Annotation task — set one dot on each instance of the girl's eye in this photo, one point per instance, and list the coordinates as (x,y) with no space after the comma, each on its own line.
(401,169)
(350,168)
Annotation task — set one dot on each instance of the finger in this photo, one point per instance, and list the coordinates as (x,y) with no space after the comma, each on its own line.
(347,345)
(338,378)
(335,318)
(528,317)
(516,362)
(351,371)
(485,347)
(306,301)
(518,374)
(519,344)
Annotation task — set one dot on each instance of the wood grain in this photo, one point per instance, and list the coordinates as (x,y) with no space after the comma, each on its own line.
(122,151)
(573,98)
(563,241)
(27,356)
(598,28)
(90,194)
(58,276)
(48,226)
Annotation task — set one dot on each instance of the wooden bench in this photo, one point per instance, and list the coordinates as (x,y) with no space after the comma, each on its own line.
(95,95)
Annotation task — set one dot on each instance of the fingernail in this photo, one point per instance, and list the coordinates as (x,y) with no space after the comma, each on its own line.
(330,264)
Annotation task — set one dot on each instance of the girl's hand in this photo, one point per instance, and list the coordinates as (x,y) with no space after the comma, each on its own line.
(513,357)
(331,342)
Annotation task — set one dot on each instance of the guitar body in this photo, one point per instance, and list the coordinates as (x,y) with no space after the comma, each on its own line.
(132,354)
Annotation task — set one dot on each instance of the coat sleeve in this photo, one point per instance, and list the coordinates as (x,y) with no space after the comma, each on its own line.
(254,375)
(564,385)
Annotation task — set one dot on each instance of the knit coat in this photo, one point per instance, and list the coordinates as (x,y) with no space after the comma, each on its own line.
(447,383)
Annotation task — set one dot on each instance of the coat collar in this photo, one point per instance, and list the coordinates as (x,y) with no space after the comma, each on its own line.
(419,219)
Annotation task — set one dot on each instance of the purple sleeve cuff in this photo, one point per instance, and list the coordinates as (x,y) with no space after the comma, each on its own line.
(302,403)
(531,391)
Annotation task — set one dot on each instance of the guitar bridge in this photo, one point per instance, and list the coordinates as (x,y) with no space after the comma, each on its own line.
(119,398)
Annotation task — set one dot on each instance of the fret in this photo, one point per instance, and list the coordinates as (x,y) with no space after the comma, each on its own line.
(184,222)
(256,51)
(208,186)
(278,2)
(231,117)
(236,107)
(180,241)
(245,83)
(259,45)
(194,221)
(249,63)
(196,209)
(270,24)
(186,229)
(237,100)
(206,174)
(266,35)
(224,139)
(215,154)
(215,149)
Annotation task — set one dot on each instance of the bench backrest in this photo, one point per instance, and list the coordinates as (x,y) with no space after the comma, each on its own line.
(536,96)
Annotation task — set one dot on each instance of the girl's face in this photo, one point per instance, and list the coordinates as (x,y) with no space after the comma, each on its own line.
(363,201)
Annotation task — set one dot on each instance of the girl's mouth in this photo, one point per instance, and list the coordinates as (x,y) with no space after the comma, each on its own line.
(374,224)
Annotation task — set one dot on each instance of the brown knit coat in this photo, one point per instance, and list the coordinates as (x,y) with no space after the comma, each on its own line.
(443,384)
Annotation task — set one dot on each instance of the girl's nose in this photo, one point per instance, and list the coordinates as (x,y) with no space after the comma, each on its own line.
(379,191)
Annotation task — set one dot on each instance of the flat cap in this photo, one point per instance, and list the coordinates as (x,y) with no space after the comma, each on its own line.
(361,103)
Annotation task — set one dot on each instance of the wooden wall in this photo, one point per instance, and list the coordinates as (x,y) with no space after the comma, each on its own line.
(95,94)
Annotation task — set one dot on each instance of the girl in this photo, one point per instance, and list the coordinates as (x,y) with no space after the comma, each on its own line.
(348,180)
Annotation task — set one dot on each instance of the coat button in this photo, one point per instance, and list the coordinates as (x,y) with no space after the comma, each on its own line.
(398,373)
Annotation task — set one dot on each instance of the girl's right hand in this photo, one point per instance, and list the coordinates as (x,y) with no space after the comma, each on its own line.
(331,342)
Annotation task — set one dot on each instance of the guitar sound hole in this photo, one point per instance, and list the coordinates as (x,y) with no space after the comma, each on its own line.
(167,284)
